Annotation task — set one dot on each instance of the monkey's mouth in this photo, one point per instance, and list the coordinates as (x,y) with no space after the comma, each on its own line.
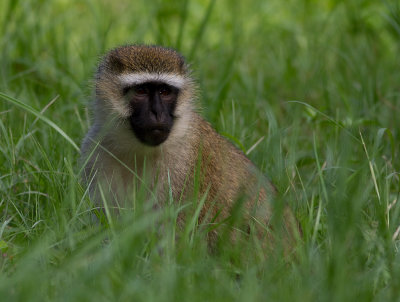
(157,135)
(152,136)
(159,131)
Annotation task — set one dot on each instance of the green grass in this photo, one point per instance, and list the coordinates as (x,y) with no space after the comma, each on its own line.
(316,83)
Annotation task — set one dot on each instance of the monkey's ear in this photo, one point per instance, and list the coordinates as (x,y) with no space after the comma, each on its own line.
(115,64)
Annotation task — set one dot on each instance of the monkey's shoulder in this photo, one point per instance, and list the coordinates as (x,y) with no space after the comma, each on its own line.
(221,147)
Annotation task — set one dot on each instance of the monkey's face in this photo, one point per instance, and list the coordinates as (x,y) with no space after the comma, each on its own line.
(152,110)
(146,92)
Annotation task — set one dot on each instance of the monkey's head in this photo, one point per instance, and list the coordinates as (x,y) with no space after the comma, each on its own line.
(147,87)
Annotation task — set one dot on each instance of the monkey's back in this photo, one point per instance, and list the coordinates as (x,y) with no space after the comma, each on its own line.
(227,175)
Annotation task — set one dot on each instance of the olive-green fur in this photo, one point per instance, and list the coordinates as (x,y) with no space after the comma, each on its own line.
(226,175)
(143,58)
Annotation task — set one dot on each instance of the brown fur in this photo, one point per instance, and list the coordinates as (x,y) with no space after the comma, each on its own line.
(226,174)
(146,59)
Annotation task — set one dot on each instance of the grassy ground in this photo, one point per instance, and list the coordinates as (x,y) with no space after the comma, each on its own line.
(315,82)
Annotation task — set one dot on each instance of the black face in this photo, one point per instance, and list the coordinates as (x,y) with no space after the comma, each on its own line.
(153,105)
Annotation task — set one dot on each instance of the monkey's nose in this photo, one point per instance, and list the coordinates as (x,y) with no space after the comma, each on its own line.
(157,116)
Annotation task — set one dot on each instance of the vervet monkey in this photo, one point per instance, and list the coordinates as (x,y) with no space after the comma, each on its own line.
(146,123)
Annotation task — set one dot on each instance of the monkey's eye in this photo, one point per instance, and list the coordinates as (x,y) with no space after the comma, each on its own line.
(165,92)
(140,91)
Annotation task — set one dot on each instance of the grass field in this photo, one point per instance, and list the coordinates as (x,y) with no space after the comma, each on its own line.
(316,83)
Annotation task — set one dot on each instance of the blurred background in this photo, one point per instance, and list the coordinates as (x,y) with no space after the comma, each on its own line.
(250,58)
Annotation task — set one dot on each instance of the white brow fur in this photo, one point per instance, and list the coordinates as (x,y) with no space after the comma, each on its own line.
(142,77)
